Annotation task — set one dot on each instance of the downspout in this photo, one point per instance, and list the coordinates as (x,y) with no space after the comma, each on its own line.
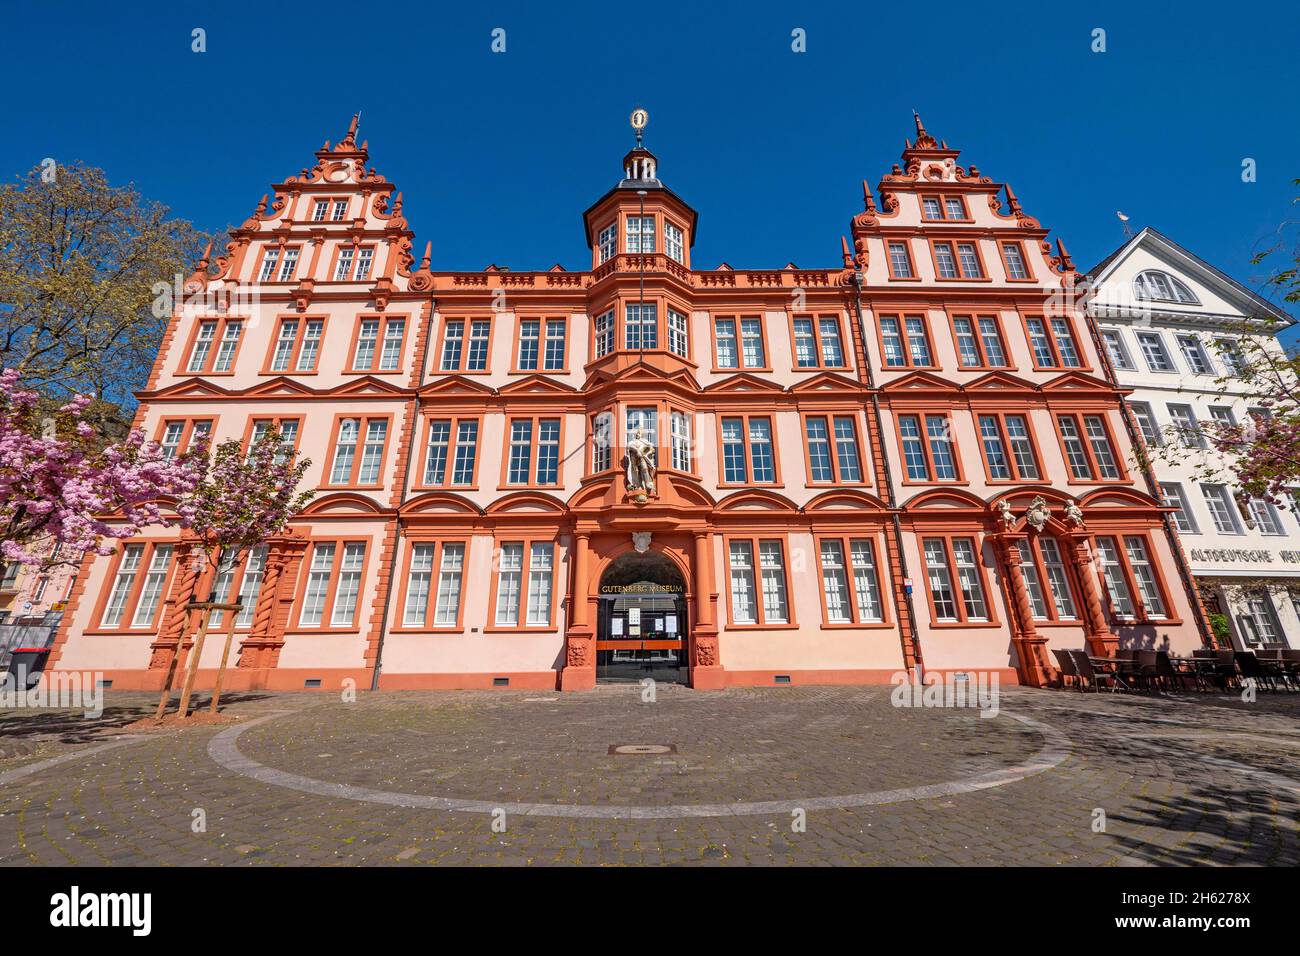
(886,476)
(1138,443)
(414,426)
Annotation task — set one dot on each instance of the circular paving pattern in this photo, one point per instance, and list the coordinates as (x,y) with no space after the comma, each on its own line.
(609,755)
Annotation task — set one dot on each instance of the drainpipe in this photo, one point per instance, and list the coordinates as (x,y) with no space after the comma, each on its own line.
(1153,486)
(414,425)
(886,477)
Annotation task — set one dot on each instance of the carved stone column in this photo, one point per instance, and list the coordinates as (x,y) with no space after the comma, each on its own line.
(579,669)
(1102,641)
(706,665)
(1031,647)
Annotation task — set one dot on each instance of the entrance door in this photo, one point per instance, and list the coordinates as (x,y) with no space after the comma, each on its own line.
(642,627)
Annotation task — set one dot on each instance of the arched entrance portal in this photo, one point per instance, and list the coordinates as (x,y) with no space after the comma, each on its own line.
(641,626)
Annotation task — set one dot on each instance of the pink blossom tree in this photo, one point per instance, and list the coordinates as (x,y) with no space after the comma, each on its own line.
(242,500)
(62,495)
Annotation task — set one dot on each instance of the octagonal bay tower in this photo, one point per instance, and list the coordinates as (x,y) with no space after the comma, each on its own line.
(904,459)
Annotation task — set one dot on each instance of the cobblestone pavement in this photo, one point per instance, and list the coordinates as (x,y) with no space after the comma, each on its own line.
(303,778)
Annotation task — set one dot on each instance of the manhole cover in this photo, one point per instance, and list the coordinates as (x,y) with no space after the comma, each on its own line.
(643,749)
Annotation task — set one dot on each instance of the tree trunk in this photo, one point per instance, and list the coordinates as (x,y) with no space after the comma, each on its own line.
(190,673)
(225,654)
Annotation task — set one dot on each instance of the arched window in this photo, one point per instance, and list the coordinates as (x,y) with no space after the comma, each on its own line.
(1156,286)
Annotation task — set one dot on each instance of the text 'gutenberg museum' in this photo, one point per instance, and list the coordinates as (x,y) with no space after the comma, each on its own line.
(914,456)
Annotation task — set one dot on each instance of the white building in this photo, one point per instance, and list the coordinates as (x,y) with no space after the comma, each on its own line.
(1168,320)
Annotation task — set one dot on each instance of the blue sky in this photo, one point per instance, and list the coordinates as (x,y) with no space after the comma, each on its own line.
(499,154)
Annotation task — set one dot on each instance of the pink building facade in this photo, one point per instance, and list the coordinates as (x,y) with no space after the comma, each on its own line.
(910,458)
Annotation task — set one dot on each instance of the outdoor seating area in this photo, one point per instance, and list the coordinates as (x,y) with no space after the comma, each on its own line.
(1207,670)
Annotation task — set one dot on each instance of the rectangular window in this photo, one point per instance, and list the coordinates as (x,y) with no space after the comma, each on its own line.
(556,355)
(918,342)
(1065,346)
(945,264)
(1153,350)
(954,207)
(678,337)
(969,261)
(1194,355)
(725,351)
(418,583)
(521,451)
(602,428)
(365,259)
(930,459)
(1232,355)
(641,326)
(1222,509)
(520,467)
(939,432)
(203,339)
(604,333)
(180,436)
(1222,415)
(1094,460)
(1099,442)
(289,266)
(521,562)
(900,262)
(673,242)
(1144,574)
(349,585)
(453,344)
(681,437)
(905,342)
(640,234)
(1040,344)
(530,344)
(297,345)
(333,584)
(123,583)
(1121,598)
(340,210)
(740,560)
(447,605)
(817,343)
(1146,422)
(363,356)
(319,211)
(931,207)
(146,608)
(747,452)
(1058,580)
(1075,452)
(892,343)
(909,430)
(979,342)
(1118,352)
(269,260)
(608,242)
(1172,492)
(476,356)
(1259,623)
(1014,258)
(948,560)
(771,565)
(827,459)
(442,451)
(343,267)
(995,449)
(1265,516)
(864,607)
(1022,447)
(423,594)
(229,342)
(1185,426)
(357,461)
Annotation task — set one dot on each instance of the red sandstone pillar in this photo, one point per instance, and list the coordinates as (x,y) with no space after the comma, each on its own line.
(1102,641)
(579,672)
(1030,646)
(706,668)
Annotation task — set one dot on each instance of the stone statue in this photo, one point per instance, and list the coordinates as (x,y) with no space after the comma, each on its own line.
(1074,513)
(1038,513)
(641,468)
(1005,515)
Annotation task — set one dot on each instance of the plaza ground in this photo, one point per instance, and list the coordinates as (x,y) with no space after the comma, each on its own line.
(605,777)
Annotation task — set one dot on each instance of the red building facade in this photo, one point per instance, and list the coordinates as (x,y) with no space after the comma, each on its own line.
(911,458)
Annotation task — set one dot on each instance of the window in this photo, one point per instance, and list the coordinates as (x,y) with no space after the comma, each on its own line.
(730,351)
(1258,623)
(829,460)
(1146,422)
(646,420)
(354,262)
(680,424)
(1139,561)
(1186,429)
(944,207)
(1008,448)
(1194,355)
(525,584)
(979,342)
(550,354)
(243,578)
(289,266)
(340,210)
(761,607)
(900,261)
(964,265)
(905,342)
(1013,257)
(179,435)
(673,242)
(1116,349)
(359,451)
(604,333)
(864,606)
(1053,343)
(321,208)
(641,326)
(678,337)
(297,345)
(1046,582)
(1172,492)
(1264,516)
(1232,355)
(945,264)
(431,604)
(522,468)
(971,268)
(1157,286)
(1128,573)
(608,242)
(1093,459)
(333,584)
(138,585)
(1121,598)
(747,452)
(278,265)
(441,452)
(1222,415)
(640,234)
(461,356)
(602,427)
(817,342)
(948,560)
(930,458)
(225,334)
(1153,350)
(288,428)
(1223,510)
